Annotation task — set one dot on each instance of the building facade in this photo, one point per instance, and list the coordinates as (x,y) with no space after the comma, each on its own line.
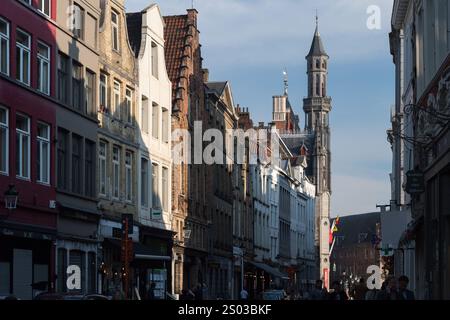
(220,115)
(76,119)
(146,32)
(184,67)
(117,138)
(422,27)
(28,106)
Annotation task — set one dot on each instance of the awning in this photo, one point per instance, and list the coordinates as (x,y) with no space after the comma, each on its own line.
(271,270)
(141,252)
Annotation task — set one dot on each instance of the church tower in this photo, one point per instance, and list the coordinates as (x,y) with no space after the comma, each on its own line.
(317,107)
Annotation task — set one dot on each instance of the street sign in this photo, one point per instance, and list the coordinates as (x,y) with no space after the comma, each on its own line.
(415,182)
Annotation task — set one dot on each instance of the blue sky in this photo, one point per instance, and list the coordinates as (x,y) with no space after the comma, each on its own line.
(250,42)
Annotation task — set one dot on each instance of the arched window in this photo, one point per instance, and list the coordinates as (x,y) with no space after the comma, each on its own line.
(318,63)
(318,85)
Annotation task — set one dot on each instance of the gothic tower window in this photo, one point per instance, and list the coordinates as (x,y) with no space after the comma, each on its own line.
(318,85)
(318,64)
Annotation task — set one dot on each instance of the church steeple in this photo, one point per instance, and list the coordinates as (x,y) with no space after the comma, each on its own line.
(317,104)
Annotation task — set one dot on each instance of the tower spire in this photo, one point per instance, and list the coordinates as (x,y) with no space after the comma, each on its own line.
(317,23)
(286,81)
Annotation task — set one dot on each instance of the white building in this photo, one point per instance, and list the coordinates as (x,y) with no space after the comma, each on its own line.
(146,30)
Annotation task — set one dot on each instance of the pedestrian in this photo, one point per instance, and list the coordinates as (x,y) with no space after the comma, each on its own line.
(198,292)
(151,291)
(319,292)
(360,290)
(337,293)
(390,290)
(244,294)
(404,293)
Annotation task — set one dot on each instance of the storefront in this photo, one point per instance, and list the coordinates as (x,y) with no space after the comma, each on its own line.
(26,260)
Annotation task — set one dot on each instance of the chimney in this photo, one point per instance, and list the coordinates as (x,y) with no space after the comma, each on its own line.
(205,75)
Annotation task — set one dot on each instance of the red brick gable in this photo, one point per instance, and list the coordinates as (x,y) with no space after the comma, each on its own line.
(175,32)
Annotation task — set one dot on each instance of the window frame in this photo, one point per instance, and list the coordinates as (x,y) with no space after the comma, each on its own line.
(5,126)
(27,134)
(41,7)
(78,33)
(155,185)
(23,49)
(155,121)
(117,99)
(90,105)
(40,142)
(103,86)
(63,77)
(116,175)
(155,59)
(128,105)
(42,60)
(129,176)
(76,66)
(145,200)
(6,37)
(115,31)
(103,169)
(165,188)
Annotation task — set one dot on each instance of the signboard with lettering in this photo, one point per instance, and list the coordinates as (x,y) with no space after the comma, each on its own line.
(415,182)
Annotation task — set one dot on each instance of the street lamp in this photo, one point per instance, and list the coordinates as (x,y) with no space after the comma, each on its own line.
(11,196)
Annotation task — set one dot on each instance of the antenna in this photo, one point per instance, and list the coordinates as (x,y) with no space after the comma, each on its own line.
(192,4)
(286,81)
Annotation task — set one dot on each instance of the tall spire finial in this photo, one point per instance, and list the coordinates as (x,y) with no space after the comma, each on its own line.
(192,4)
(317,22)
(286,81)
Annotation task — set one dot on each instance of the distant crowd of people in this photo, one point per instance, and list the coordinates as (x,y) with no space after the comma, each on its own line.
(391,289)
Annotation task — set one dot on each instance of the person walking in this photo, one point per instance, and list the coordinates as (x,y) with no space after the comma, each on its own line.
(360,290)
(244,294)
(337,293)
(319,292)
(151,292)
(390,291)
(404,293)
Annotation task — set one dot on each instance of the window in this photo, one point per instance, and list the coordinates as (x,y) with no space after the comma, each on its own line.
(44,7)
(89,171)
(23,49)
(144,183)
(165,125)
(116,172)
(4,141)
(116,103)
(155,122)
(154,60)
(22,146)
(78,21)
(128,104)
(43,57)
(155,186)
(77,86)
(63,159)
(144,115)
(128,176)
(63,78)
(318,85)
(102,153)
(4,47)
(90,92)
(318,64)
(43,153)
(115,30)
(77,152)
(165,188)
(103,91)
